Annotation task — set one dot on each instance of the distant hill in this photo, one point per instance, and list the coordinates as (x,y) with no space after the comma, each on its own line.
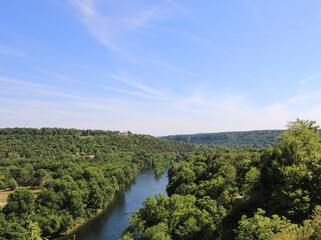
(254,139)
(240,139)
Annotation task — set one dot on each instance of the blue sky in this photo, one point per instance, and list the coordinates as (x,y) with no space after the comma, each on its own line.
(160,67)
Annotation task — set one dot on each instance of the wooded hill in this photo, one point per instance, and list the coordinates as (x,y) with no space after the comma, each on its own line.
(239,139)
(242,194)
(252,139)
(76,171)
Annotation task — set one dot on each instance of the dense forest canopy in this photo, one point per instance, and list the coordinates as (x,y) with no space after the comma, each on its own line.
(272,193)
(61,176)
(253,139)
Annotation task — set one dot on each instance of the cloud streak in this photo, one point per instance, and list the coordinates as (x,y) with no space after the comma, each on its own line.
(19,82)
(142,19)
(144,88)
(99,26)
(13,52)
(200,111)
(113,32)
(181,9)
(304,81)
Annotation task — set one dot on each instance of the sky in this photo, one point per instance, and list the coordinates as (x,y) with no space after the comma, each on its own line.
(160,67)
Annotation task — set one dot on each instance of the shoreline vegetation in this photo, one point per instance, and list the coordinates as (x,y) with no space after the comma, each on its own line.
(71,231)
(223,193)
(243,194)
(79,171)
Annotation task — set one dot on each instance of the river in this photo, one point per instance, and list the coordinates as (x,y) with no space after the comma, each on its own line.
(109,224)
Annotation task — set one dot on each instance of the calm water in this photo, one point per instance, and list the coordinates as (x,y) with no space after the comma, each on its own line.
(113,221)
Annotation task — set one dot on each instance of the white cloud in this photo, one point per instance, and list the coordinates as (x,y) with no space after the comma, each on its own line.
(268,86)
(300,99)
(99,26)
(19,82)
(181,9)
(13,52)
(113,32)
(304,81)
(142,19)
(203,42)
(144,88)
(200,111)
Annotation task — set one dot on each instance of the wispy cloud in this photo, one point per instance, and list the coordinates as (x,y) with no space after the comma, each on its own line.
(151,94)
(142,19)
(113,31)
(297,107)
(13,52)
(8,111)
(268,86)
(201,41)
(66,79)
(166,65)
(181,9)
(39,89)
(205,43)
(14,81)
(304,81)
(99,26)
(144,88)
(281,32)
(302,98)
(199,111)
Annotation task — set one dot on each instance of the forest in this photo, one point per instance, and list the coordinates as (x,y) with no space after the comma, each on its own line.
(244,194)
(58,177)
(62,176)
(252,139)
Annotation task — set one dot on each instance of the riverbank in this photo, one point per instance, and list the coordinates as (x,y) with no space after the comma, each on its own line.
(70,232)
(113,220)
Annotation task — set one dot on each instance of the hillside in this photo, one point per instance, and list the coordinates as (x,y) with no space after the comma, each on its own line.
(72,174)
(255,139)
(242,194)
(55,142)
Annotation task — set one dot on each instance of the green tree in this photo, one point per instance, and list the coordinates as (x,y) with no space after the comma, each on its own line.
(12,184)
(34,230)
(252,180)
(157,232)
(41,177)
(291,171)
(2,182)
(12,230)
(261,227)
(22,201)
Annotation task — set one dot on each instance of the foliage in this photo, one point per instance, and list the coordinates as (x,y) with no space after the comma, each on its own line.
(217,194)
(246,139)
(291,171)
(177,217)
(261,227)
(284,180)
(77,172)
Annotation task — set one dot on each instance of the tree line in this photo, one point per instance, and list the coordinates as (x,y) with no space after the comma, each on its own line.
(245,139)
(244,194)
(75,174)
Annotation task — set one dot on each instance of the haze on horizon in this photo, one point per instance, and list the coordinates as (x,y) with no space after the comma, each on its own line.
(160,67)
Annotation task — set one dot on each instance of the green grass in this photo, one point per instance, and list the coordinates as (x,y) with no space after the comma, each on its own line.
(4,196)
